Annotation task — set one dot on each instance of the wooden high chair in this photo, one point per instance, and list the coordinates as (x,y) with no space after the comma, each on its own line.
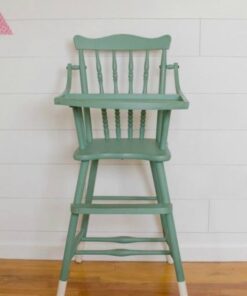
(92,149)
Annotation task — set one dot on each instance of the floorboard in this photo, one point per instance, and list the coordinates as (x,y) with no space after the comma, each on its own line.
(39,278)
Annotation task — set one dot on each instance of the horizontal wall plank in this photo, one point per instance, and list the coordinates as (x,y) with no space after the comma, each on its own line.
(38,181)
(224,38)
(185,181)
(208,147)
(26,9)
(212,182)
(43,75)
(34,214)
(214,247)
(58,181)
(33,237)
(30,216)
(54,38)
(213,74)
(32,112)
(33,75)
(187,147)
(48,75)
(38,146)
(212,112)
(228,216)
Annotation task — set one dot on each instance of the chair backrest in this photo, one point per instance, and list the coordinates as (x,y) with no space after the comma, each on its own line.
(129,44)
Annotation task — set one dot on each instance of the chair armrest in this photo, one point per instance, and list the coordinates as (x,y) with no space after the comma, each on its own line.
(69,68)
(179,92)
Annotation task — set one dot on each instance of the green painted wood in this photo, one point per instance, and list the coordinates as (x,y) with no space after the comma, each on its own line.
(88,200)
(99,72)
(146,149)
(69,79)
(101,89)
(124,101)
(170,230)
(162,84)
(105,123)
(113,197)
(128,209)
(154,150)
(142,124)
(146,73)
(118,124)
(88,124)
(75,67)
(145,87)
(114,72)
(130,124)
(69,251)
(179,92)
(122,252)
(159,123)
(115,82)
(159,198)
(84,89)
(118,97)
(69,69)
(131,72)
(164,128)
(122,42)
(80,127)
(124,239)
(83,73)
(131,79)
(162,77)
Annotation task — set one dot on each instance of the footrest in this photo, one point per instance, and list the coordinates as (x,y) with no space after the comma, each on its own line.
(123,239)
(122,252)
(121,209)
(109,197)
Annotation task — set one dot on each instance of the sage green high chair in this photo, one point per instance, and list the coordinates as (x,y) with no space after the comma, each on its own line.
(92,149)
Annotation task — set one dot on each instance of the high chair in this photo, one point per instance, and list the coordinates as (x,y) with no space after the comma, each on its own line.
(91,149)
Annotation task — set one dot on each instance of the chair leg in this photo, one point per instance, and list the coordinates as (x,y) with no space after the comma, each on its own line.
(162,217)
(88,200)
(171,230)
(69,247)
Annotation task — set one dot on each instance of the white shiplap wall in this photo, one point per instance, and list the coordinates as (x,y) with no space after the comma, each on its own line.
(208,171)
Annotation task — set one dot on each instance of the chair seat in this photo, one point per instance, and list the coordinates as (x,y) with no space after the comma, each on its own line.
(146,149)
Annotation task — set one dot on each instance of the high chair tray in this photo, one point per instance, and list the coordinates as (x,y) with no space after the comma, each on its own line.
(125,101)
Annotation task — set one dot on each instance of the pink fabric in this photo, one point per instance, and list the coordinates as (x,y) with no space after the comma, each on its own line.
(4,27)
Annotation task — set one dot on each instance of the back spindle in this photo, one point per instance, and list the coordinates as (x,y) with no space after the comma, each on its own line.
(130,124)
(118,125)
(84,89)
(130,112)
(114,72)
(162,83)
(146,72)
(99,72)
(115,83)
(145,87)
(105,123)
(101,89)
(131,75)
